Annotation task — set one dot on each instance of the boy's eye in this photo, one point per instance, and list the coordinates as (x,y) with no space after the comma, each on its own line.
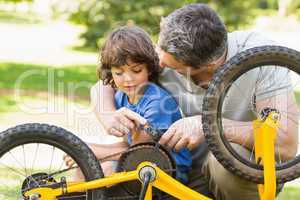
(118,73)
(137,70)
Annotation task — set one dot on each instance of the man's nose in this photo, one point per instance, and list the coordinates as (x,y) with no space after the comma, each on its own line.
(161,63)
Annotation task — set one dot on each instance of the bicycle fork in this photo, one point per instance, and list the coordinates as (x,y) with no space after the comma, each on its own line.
(264,141)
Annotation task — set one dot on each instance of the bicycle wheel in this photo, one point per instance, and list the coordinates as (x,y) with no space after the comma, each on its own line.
(259,79)
(31,156)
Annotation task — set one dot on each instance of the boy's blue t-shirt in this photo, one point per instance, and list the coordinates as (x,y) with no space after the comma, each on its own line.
(160,110)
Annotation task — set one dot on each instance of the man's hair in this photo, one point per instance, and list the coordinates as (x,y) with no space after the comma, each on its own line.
(193,34)
(127,43)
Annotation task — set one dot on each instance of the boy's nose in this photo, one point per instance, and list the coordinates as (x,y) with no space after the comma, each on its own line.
(128,77)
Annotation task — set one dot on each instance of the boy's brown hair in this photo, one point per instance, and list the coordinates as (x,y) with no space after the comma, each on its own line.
(124,44)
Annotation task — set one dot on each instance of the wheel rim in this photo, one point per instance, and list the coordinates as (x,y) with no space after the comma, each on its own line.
(262,82)
(28,159)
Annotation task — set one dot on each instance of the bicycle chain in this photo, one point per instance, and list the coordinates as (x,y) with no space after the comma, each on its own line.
(126,153)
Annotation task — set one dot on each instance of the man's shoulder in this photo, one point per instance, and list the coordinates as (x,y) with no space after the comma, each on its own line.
(239,41)
(243,35)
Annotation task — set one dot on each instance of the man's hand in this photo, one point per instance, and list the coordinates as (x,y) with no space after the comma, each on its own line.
(121,121)
(186,132)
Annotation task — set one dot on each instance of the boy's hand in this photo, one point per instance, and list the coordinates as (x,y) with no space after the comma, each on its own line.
(120,122)
(184,133)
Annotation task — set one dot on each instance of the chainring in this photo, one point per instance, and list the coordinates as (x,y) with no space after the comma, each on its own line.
(141,152)
(36,180)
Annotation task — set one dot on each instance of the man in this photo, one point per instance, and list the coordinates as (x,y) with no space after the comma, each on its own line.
(193,44)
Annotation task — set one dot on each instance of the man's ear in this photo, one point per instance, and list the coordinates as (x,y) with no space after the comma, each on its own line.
(212,67)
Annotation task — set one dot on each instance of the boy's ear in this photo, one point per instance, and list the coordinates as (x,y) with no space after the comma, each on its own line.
(112,83)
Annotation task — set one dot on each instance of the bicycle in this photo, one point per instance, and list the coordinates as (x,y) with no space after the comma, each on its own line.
(51,181)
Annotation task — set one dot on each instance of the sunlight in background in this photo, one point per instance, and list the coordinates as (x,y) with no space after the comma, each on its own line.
(49,42)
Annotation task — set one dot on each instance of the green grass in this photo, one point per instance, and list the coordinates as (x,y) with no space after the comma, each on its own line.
(67,80)
(289,193)
(7,103)
(13,190)
(9,193)
(72,82)
(297,96)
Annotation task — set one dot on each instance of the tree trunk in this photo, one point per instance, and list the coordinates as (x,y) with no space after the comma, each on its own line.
(283,6)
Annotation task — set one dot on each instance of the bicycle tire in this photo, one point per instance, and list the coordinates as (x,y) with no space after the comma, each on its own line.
(229,72)
(60,138)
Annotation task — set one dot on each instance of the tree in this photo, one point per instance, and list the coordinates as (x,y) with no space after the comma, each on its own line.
(102,16)
(287,7)
(283,6)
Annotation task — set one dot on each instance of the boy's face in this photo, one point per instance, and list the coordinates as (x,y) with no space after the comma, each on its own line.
(130,78)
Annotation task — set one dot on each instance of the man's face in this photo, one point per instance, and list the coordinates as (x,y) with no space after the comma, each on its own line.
(168,60)
(204,72)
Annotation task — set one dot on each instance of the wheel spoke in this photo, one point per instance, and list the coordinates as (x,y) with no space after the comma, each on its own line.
(52,155)
(35,156)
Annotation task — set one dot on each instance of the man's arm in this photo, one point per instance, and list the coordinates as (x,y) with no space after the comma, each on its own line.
(286,144)
(98,93)
(116,122)
(188,132)
(287,134)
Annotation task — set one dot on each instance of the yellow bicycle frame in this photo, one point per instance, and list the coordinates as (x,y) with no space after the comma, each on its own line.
(264,135)
(264,139)
(162,181)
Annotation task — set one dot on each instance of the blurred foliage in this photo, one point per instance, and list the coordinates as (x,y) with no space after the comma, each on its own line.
(19,18)
(293,6)
(268,4)
(100,17)
(16,1)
